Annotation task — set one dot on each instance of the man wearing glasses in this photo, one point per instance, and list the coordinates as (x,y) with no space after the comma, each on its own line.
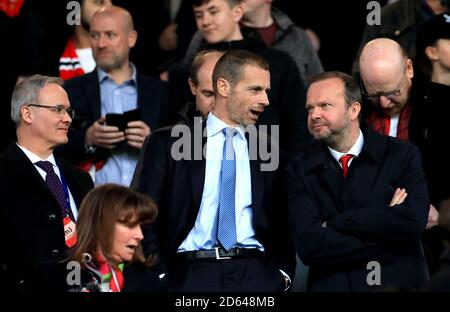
(396,107)
(386,74)
(40,193)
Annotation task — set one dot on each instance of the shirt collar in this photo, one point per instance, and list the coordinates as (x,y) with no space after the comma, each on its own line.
(102,75)
(215,125)
(35,158)
(354,150)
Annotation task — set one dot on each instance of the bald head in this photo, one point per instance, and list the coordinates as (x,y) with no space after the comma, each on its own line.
(386,73)
(381,57)
(119,14)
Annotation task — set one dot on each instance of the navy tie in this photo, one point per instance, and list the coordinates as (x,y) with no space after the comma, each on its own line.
(226,215)
(55,185)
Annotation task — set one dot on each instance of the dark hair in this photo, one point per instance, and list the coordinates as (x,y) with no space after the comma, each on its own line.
(197,63)
(232,64)
(352,92)
(231,3)
(101,209)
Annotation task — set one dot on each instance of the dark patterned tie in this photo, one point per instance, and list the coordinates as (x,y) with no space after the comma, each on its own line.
(55,185)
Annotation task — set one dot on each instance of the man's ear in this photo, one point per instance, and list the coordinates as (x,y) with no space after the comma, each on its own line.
(238,13)
(27,114)
(223,87)
(409,68)
(355,110)
(193,87)
(132,38)
(431,53)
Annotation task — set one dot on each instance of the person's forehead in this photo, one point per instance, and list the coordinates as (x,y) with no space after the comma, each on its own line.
(325,88)
(106,21)
(53,93)
(255,75)
(208,4)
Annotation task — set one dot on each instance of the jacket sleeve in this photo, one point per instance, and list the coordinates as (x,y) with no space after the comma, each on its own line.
(151,181)
(396,223)
(316,244)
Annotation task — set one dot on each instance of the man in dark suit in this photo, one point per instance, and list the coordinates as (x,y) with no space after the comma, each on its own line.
(37,217)
(221,225)
(358,201)
(100,143)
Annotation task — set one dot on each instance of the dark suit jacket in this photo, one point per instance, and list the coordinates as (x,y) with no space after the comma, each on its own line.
(84,96)
(361,227)
(177,188)
(31,227)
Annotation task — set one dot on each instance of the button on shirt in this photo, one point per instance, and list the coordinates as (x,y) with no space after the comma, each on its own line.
(200,236)
(34,158)
(120,165)
(355,150)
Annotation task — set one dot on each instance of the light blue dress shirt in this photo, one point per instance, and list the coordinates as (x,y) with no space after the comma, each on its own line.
(200,236)
(120,165)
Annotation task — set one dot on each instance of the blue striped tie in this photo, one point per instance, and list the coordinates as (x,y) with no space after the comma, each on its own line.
(226,223)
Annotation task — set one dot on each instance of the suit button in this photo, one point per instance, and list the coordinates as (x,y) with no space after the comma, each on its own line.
(54,253)
(51,217)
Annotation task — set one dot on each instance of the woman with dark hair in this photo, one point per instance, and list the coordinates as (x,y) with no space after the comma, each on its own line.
(109,236)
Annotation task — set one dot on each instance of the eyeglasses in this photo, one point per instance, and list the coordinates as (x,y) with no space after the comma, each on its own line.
(59,109)
(376,96)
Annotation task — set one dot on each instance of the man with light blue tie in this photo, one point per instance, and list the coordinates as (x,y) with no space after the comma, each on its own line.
(222,222)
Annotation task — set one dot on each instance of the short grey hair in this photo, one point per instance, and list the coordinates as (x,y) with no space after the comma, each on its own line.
(27,92)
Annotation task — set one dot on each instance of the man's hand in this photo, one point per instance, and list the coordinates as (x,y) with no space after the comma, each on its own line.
(433,216)
(136,133)
(399,197)
(105,136)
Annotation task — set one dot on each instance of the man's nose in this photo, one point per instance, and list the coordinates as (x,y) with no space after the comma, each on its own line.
(384,101)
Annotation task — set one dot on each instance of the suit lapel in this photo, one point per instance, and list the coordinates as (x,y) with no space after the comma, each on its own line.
(25,169)
(331,175)
(328,173)
(257,182)
(93,94)
(197,167)
(367,166)
(72,182)
(257,178)
(149,111)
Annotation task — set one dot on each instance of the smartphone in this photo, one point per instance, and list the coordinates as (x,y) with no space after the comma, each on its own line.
(116,120)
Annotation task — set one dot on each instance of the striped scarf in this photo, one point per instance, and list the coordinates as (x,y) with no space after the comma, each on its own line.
(112,277)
